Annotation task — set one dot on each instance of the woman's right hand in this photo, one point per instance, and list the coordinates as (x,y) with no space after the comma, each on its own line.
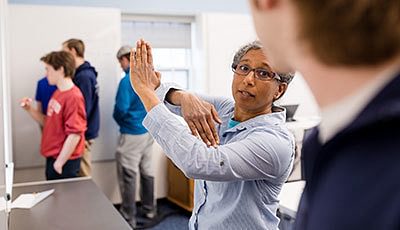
(200,117)
(26,103)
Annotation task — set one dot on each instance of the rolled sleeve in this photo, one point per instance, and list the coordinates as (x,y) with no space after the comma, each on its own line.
(261,155)
(164,88)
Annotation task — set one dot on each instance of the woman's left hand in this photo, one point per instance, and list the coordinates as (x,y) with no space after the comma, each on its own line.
(142,75)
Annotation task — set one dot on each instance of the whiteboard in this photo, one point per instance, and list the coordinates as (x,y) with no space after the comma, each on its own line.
(37,30)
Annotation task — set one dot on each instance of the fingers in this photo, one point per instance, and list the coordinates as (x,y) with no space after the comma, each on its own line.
(144,52)
(25,102)
(212,133)
(132,66)
(149,54)
(138,55)
(132,60)
(158,75)
(216,118)
(57,168)
(201,132)
(215,115)
(205,129)
(209,130)
(193,128)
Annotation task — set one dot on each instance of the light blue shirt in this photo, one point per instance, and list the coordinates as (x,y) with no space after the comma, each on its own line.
(237,183)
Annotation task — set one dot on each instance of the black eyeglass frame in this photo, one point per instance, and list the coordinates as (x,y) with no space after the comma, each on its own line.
(256,75)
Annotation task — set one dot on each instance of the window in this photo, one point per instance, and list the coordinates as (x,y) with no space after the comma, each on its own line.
(170,38)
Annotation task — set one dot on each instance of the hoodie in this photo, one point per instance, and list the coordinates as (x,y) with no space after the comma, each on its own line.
(86,80)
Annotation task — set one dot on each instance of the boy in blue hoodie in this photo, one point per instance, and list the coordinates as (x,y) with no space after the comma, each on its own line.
(86,80)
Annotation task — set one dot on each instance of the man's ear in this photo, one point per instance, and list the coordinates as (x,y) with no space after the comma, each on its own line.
(73,51)
(62,69)
(264,4)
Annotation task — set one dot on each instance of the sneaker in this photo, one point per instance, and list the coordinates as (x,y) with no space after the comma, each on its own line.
(150,215)
(143,213)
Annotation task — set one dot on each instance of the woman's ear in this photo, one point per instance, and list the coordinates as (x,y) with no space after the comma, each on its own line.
(282,87)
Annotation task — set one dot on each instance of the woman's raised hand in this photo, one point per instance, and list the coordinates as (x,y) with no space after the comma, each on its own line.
(142,75)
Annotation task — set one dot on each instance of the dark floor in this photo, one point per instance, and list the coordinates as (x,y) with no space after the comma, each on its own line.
(170,217)
(173,217)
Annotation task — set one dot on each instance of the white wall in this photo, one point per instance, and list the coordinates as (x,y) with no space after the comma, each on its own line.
(219,37)
(46,29)
(182,7)
(38,30)
(299,93)
(5,142)
(222,35)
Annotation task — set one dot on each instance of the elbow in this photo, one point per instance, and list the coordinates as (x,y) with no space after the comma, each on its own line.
(187,171)
(189,174)
(192,173)
(115,116)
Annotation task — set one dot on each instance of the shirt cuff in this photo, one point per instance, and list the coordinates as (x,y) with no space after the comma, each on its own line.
(163,89)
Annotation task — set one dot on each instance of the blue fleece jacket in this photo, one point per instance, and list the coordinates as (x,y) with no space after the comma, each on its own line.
(129,111)
(86,80)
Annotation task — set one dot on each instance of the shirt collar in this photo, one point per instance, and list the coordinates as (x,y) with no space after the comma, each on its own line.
(274,118)
(351,106)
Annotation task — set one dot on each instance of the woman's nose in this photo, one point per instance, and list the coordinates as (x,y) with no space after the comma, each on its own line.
(250,78)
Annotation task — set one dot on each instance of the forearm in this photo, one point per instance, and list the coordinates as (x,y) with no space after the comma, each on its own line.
(148,97)
(68,148)
(37,116)
(174,96)
(241,160)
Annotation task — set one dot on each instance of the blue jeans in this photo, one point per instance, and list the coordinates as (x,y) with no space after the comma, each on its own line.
(69,170)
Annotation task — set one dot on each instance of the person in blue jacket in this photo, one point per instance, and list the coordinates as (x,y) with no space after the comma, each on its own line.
(86,80)
(134,151)
(44,91)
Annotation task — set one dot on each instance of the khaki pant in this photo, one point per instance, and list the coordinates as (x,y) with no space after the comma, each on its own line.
(134,157)
(86,160)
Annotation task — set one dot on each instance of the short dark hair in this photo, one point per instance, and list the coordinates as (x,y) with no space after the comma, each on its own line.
(127,56)
(256,45)
(77,45)
(350,33)
(58,59)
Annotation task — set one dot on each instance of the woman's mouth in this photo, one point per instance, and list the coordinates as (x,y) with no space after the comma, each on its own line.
(246,93)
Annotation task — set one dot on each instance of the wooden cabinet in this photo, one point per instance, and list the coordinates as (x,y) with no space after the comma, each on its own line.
(180,188)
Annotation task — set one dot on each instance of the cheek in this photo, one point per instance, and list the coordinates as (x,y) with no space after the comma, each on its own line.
(235,83)
(269,92)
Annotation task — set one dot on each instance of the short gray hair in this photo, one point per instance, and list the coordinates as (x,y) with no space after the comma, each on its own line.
(256,45)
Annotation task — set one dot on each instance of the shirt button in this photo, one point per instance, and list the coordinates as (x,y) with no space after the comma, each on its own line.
(221,163)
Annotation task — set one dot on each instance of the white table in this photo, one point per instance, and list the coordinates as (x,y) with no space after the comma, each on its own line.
(289,197)
(300,124)
(298,127)
(75,204)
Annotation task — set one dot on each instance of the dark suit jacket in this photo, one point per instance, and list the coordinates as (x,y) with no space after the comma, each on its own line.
(353,180)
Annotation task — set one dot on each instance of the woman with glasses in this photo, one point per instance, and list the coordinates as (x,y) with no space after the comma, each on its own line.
(239,177)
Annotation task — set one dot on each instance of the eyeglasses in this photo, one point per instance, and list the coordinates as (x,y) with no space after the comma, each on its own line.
(259,73)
